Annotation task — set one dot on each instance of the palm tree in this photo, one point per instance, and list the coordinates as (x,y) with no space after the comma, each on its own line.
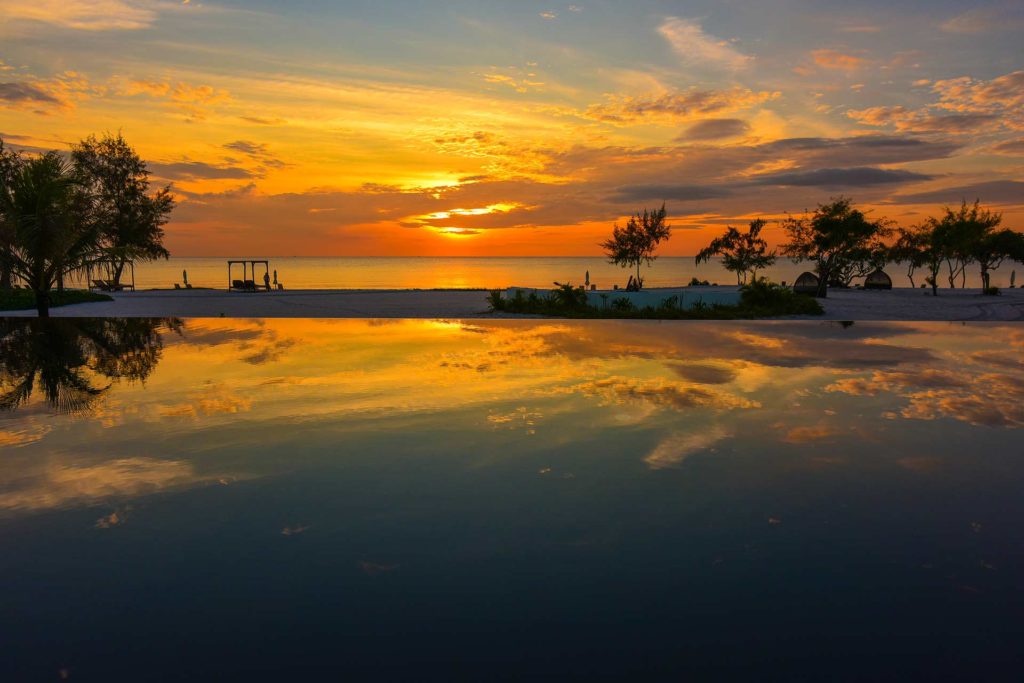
(74,361)
(45,225)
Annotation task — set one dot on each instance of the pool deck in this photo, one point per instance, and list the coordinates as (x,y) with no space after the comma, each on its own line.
(899,304)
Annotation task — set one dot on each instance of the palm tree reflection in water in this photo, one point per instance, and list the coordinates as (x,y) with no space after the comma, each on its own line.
(74,361)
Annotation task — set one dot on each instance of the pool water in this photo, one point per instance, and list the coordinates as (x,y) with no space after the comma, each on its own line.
(302,499)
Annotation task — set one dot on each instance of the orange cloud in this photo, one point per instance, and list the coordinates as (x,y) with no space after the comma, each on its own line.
(833,59)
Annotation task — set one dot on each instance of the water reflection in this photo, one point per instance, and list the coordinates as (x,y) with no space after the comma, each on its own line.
(68,359)
(558,499)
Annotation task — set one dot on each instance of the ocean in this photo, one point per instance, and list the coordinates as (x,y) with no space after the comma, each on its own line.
(474,272)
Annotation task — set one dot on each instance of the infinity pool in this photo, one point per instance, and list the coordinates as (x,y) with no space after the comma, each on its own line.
(299,500)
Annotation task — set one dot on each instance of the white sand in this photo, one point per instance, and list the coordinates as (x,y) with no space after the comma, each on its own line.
(899,304)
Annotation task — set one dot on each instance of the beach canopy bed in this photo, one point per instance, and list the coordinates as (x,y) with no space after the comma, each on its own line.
(807,284)
(94,277)
(878,280)
(248,281)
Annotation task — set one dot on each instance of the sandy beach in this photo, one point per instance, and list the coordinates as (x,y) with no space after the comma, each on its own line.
(899,304)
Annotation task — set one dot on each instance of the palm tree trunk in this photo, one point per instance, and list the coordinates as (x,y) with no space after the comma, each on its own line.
(43,303)
(118,271)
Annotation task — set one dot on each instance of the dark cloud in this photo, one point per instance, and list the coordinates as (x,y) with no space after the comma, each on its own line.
(678,193)
(863,176)
(21,93)
(1011,147)
(198,170)
(705,374)
(863,150)
(994,192)
(248,147)
(715,129)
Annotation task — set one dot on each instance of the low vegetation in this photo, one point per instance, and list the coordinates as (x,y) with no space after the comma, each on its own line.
(25,299)
(759,299)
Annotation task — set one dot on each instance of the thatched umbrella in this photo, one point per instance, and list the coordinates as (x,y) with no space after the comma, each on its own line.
(878,280)
(807,284)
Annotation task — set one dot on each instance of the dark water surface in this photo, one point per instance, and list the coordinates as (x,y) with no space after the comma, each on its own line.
(322,500)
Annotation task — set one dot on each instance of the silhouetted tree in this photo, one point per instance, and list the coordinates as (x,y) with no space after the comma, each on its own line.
(741,253)
(839,239)
(45,228)
(970,235)
(636,243)
(10,164)
(64,357)
(911,248)
(130,220)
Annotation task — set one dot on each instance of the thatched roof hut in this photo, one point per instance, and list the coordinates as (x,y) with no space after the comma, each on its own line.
(806,284)
(878,280)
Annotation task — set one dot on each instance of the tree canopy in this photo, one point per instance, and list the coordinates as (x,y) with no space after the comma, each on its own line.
(742,253)
(840,240)
(130,220)
(636,243)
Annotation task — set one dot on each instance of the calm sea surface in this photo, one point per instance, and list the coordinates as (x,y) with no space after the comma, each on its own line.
(339,500)
(471,273)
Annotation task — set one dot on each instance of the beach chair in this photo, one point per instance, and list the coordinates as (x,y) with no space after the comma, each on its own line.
(101,285)
(250,285)
(188,286)
(237,284)
(177,286)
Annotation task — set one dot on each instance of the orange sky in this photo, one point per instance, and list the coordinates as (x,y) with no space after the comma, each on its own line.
(488,129)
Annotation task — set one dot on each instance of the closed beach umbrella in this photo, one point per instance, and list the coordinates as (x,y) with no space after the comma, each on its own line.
(184,276)
(275,276)
(1013,279)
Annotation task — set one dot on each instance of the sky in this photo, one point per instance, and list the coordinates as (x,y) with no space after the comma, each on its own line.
(316,128)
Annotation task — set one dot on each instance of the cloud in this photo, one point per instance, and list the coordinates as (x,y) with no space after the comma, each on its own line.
(705,374)
(992,192)
(181,92)
(993,400)
(842,177)
(19,93)
(810,434)
(198,170)
(60,92)
(674,450)
(715,129)
(983,20)
(679,193)
(699,49)
(61,485)
(675,107)
(662,394)
(833,59)
(922,121)
(258,151)
(1010,147)
(264,120)
(975,104)
(84,15)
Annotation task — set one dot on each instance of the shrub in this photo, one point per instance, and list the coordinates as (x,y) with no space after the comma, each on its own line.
(569,297)
(762,295)
(696,282)
(623,304)
(991,291)
(496,301)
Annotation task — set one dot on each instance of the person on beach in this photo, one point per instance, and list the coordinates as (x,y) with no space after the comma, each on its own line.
(266,281)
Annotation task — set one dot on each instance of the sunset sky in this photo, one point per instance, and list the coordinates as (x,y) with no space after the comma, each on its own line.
(416,127)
